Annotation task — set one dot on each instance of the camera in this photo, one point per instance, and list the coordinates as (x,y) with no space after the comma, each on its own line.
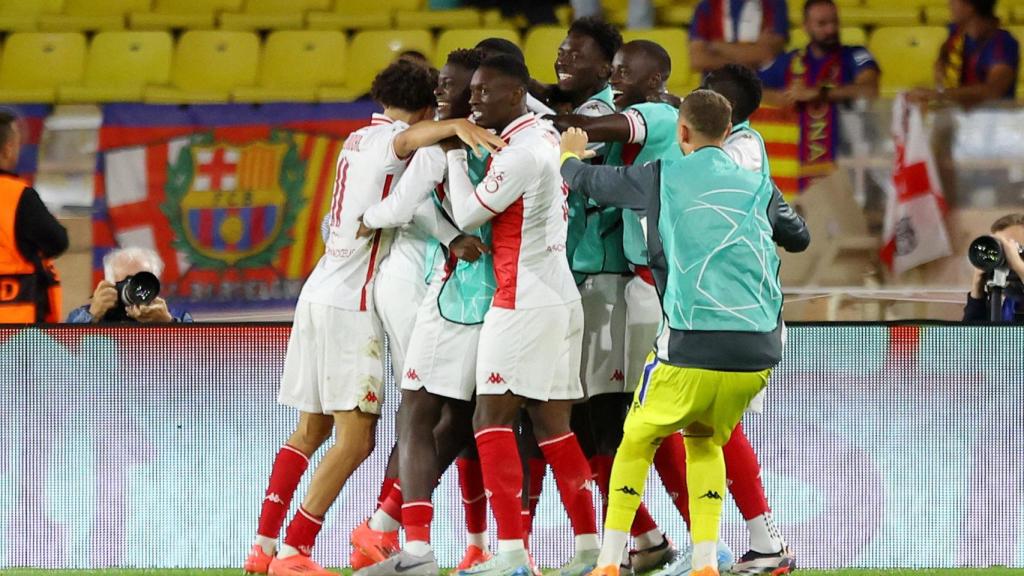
(137,290)
(986,254)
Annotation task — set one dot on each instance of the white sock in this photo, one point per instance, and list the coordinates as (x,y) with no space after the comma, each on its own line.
(382,522)
(611,549)
(764,536)
(510,545)
(478,540)
(287,551)
(268,544)
(649,539)
(418,547)
(587,542)
(705,554)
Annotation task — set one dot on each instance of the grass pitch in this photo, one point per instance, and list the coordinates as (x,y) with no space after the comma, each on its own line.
(347,572)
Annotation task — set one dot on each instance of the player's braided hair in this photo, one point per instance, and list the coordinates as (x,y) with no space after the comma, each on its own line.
(607,36)
(469,59)
(740,86)
(405,86)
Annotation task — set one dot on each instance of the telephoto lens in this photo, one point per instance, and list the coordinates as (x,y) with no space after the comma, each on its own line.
(139,289)
(986,253)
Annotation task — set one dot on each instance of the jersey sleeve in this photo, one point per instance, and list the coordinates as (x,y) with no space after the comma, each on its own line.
(637,126)
(773,76)
(861,60)
(425,172)
(1005,50)
(391,162)
(510,175)
(700,25)
(745,150)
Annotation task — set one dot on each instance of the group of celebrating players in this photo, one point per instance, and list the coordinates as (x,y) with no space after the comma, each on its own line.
(541,311)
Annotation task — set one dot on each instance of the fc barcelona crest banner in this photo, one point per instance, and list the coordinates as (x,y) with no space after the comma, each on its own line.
(231,196)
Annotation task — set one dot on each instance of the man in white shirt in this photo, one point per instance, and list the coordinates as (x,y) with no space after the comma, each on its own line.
(529,348)
(333,368)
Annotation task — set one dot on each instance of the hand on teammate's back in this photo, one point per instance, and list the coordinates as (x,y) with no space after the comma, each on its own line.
(468,247)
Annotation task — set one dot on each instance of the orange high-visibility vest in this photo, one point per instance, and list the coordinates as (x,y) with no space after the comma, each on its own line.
(18,275)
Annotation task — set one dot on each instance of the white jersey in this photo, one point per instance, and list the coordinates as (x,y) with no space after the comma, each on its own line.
(367,170)
(411,209)
(523,196)
(745,150)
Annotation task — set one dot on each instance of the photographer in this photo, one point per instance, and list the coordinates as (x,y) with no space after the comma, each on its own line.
(108,303)
(1009,230)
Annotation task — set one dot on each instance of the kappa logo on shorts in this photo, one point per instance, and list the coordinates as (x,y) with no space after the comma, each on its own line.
(712,495)
(411,374)
(495,378)
(618,376)
(370,397)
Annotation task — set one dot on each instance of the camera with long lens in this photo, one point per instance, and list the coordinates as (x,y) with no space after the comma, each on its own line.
(136,290)
(986,253)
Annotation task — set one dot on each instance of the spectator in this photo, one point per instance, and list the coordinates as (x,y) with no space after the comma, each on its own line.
(1010,231)
(825,72)
(535,11)
(106,306)
(979,60)
(746,32)
(30,237)
(640,13)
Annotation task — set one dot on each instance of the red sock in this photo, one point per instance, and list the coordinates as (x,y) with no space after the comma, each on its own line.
(392,505)
(601,464)
(289,465)
(416,519)
(503,478)
(670,462)
(538,469)
(743,472)
(474,499)
(572,476)
(385,490)
(302,531)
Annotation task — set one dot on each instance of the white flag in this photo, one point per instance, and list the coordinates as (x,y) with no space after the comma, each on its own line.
(915,225)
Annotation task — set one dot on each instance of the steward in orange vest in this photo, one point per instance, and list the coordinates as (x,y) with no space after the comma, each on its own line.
(30,237)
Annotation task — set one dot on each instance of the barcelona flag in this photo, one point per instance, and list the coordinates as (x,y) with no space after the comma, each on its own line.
(230,195)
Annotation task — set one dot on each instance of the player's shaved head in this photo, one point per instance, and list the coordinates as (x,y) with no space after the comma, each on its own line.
(707,113)
(651,52)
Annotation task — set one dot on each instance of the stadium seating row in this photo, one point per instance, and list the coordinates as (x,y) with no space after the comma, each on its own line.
(303,65)
(100,15)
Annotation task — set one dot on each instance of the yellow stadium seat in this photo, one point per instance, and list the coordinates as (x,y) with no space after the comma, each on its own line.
(677,43)
(541,48)
(208,65)
(675,14)
(795,8)
(938,15)
(33,64)
(295,63)
(906,56)
(352,15)
(456,18)
(369,53)
(181,14)
(23,15)
(865,16)
(119,67)
(493,18)
(848,36)
(451,39)
(89,15)
(271,14)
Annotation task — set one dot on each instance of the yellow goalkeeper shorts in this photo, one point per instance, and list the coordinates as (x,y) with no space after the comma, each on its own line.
(672,398)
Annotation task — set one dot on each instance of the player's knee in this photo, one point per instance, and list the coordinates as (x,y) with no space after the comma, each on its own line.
(309,436)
